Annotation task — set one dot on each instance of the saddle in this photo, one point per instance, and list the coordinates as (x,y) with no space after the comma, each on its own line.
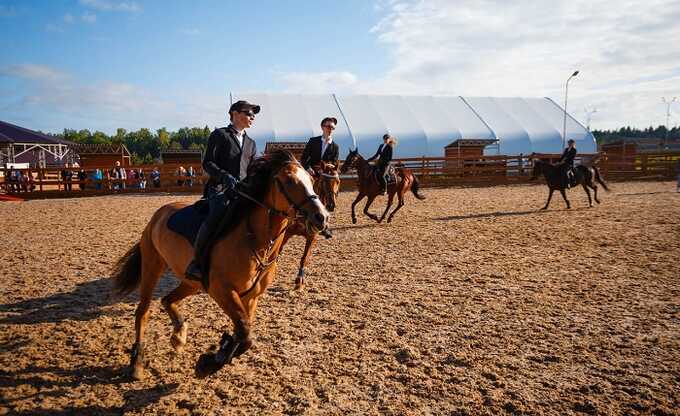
(390,174)
(187,221)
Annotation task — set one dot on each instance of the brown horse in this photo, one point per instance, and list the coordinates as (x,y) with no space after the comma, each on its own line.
(370,188)
(244,260)
(583,175)
(327,186)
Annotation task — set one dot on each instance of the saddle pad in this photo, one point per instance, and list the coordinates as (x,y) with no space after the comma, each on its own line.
(187,221)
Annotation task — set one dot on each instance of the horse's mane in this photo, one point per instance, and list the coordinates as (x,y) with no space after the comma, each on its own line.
(257,182)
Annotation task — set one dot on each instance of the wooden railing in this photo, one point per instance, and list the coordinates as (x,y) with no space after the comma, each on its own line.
(431,171)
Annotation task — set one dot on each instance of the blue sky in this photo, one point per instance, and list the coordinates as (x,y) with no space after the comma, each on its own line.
(102,64)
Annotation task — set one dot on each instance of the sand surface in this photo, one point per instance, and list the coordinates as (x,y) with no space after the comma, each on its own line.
(470,302)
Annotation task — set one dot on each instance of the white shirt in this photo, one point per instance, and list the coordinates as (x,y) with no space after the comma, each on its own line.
(325,142)
(239,136)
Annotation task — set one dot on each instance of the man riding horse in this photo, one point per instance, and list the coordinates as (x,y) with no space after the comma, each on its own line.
(321,148)
(384,156)
(226,160)
(567,161)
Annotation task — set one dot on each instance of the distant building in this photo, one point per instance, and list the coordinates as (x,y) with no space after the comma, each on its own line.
(22,145)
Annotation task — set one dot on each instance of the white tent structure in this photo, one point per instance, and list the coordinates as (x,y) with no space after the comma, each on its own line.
(424,125)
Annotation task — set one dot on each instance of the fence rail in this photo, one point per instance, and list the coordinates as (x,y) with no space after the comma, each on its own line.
(431,171)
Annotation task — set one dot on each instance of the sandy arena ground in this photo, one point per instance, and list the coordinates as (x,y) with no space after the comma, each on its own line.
(471,302)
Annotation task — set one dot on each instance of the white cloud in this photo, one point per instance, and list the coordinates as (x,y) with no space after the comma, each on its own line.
(190,32)
(318,82)
(625,51)
(104,5)
(89,17)
(33,72)
(68,18)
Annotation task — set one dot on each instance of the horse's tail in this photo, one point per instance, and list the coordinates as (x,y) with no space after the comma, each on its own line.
(415,186)
(127,271)
(599,178)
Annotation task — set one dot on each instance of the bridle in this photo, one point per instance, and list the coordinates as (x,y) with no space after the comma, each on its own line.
(266,260)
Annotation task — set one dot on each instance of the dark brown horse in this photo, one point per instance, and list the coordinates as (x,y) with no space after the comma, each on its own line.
(370,188)
(327,186)
(244,260)
(583,175)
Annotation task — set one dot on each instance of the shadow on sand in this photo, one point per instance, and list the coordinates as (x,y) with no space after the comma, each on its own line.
(83,303)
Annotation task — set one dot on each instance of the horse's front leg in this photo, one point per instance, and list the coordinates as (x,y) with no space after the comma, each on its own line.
(230,346)
(564,195)
(399,205)
(367,206)
(549,198)
(590,201)
(300,280)
(356,201)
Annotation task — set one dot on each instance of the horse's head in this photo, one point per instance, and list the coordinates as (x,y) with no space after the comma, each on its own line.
(290,188)
(327,185)
(349,162)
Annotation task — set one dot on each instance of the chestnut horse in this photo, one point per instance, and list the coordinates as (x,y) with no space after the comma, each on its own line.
(243,261)
(327,186)
(583,175)
(370,188)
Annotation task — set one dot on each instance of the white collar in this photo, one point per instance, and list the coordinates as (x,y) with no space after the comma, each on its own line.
(327,140)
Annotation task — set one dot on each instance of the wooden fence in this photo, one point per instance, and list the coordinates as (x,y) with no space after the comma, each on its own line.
(431,171)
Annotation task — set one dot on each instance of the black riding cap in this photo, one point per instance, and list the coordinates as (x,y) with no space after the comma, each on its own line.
(243,105)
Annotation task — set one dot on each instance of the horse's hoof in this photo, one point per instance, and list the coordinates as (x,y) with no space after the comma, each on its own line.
(299,282)
(179,338)
(138,372)
(354,220)
(207,365)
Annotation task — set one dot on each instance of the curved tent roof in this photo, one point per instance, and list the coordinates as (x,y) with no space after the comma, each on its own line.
(424,125)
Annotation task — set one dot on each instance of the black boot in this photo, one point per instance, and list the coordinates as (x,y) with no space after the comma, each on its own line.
(194,271)
(326,233)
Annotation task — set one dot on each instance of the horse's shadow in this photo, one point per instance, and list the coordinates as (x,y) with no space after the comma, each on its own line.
(488,215)
(83,303)
(135,399)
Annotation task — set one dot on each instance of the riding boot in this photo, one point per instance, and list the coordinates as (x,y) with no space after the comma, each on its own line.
(383,184)
(218,207)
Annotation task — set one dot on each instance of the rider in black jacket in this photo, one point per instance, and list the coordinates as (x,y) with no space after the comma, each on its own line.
(567,161)
(384,155)
(226,160)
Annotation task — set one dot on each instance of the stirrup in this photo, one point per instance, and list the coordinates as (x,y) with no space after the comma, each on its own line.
(326,233)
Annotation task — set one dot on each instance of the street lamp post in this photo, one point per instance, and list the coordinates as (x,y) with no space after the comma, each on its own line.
(668,115)
(566,94)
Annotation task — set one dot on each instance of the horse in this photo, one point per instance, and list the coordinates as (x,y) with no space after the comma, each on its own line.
(369,187)
(327,186)
(244,259)
(583,175)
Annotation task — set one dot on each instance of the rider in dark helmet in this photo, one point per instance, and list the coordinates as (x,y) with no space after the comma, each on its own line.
(567,161)
(226,160)
(384,156)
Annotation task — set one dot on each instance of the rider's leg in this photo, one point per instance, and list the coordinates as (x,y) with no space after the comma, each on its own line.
(218,205)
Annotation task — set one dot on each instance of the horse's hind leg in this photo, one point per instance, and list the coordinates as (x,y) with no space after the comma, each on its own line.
(170,304)
(152,268)
(590,201)
(390,198)
(592,185)
(399,205)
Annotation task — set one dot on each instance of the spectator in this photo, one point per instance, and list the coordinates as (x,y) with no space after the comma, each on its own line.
(141,178)
(190,175)
(181,173)
(26,181)
(120,175)
(156,177)
(97,178)
(678,172)
(82,177)
(10,179)
(67,177)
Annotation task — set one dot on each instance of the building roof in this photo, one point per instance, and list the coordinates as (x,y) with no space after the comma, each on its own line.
(15,134)
(424,125)
(472,142)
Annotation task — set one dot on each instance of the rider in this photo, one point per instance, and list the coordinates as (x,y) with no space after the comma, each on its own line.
(567,160)
(226,161)
(321,148)
(385,156)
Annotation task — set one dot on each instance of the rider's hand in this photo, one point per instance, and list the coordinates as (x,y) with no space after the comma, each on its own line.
(229,181)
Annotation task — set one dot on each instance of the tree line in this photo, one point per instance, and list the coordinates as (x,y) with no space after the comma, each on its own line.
(145,146)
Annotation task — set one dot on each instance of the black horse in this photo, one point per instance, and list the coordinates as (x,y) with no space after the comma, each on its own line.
(583,175)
